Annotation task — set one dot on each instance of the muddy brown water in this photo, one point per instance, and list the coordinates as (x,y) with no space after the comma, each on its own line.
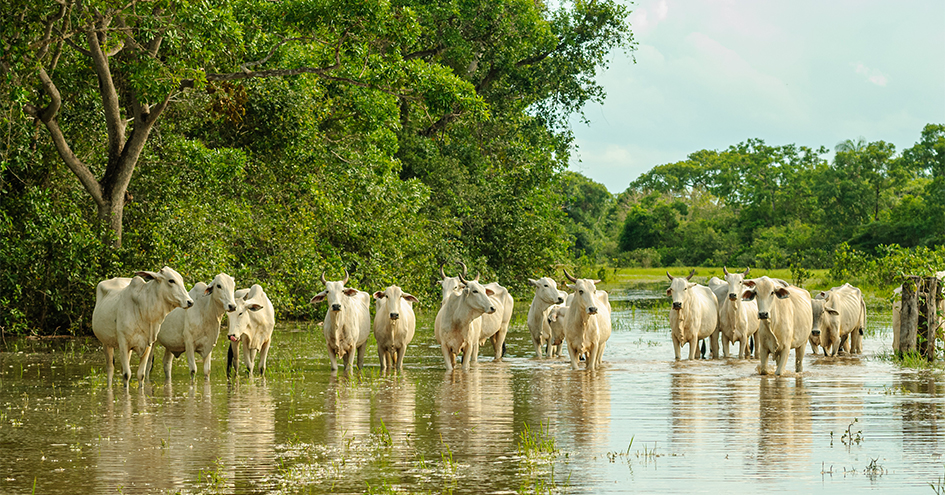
(643,423)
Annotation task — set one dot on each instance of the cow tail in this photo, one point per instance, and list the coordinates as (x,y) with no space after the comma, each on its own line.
(229,359)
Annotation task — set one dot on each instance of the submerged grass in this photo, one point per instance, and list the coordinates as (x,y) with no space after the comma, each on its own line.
(537,444)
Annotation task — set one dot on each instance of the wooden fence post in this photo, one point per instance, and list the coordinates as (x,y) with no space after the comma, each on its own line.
(928,316)
(908,317)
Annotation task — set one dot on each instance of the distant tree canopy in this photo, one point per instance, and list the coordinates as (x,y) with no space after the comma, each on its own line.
(776,206)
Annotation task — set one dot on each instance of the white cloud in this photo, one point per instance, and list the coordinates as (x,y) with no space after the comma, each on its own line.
(872,75)
(646,18)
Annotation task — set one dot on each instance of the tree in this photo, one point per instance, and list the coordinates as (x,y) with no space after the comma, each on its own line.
(130,62)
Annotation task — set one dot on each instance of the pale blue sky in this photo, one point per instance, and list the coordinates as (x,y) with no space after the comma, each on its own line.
(713,73)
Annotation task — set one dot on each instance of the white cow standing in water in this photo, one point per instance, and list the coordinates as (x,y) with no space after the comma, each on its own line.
(347,322)
(546,295)
(458,324)
(844,318)
(196,330)
(786,320)
(694,314)
(394,326)
(128,314)
(738,320)
(587,322)
(250,325)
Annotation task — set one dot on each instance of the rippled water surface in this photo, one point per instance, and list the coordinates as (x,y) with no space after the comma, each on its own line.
(643,423)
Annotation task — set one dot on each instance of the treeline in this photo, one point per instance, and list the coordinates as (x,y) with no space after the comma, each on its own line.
(766,206)
(275,141)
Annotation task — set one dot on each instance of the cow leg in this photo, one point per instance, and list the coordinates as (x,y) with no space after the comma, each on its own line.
(782,357)
(382,357)
(725,346)
(249,357)
(798,359)
(191,360)
(676,346)
(361,351)
(124,356)
(263,355)
(333,359)
(168,361)
(471,354)
(574,352)
(693,345)
(762,357)
(143,364)
(109,363)
(498,343)
(600,353)
(400,357)
(229,358)
(448,358)
(714,344)
(539,343)
(206,363)
(590,360)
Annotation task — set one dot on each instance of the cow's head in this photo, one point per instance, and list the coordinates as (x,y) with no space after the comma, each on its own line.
(335,293)
(170,285)
(476,295)
(449,285)
(546,290)
(678,287)
(221,289)
(763,290)
(734,281)
(829,325)
(585,293)
(247,302)
(391,301)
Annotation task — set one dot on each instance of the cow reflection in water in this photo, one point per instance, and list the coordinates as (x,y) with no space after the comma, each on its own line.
(347,413)
(588,405)
(139,429)
(693,408)
(784,409)
(396,404)
(252,426)
(473,415)
(921,410)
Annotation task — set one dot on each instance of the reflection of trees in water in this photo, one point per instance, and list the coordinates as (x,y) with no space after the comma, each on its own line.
(785,421)
(920,415)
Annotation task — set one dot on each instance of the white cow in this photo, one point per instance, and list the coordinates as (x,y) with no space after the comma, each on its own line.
(495,325)
(347,322)
(844,317)
(449,285)
(897,310)
(738,320)
(557,315)
(198,328)
(457,326)
(555,343)
(694,315)
(546,295)
(251,324)
(394,326)
(786,319)
(587,322)
(128,314)
(817,310)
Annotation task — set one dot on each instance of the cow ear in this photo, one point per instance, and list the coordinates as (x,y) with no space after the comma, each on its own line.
(570,286)
(533,282)
(669,292)
(410,298)
(146,275)
(748,295)
(255,307)
(748,283)
(319,297)
(832,311)
(209,289)
(782,293)
(351,292)
(490,292)
(378,295)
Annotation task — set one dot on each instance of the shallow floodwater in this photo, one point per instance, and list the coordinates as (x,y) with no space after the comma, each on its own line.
(643,423)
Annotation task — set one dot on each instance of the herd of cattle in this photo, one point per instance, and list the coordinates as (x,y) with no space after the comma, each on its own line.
(132,313)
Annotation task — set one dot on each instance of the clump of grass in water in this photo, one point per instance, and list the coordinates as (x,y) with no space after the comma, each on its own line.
(938,487)
(850,437)
(213,477)
(538,443)
(383,435)
(542,486)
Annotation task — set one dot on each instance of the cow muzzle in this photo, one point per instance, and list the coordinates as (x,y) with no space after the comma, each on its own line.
(233,338)
(762,315)
(732,296)
(336,307)
(815,333)
(190,303)
(394,316)
(677,305)
(230,308)
(560,300)
(592,310)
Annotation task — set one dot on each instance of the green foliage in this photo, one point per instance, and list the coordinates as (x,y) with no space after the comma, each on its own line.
(889,267)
